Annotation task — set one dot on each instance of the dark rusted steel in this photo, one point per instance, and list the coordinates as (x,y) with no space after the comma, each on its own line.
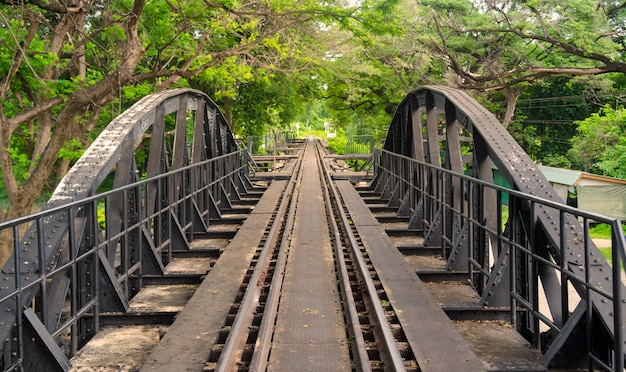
(171,163)
(438,136)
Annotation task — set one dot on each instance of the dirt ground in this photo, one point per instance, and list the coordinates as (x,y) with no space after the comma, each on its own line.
(602,243)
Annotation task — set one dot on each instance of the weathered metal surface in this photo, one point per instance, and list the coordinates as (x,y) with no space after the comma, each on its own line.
(542,244)
(436,343)
(86,253)
(187,344)
(310,333)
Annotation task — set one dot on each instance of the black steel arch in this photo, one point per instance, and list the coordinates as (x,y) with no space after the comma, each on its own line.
(114,146)
(445,140)
(153,178)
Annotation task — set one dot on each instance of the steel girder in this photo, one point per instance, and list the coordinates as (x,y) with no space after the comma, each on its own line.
(440,135)
(171,163)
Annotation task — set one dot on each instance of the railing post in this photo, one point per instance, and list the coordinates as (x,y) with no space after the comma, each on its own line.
(617,254)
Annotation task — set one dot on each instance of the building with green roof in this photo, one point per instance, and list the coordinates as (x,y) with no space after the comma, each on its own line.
(589,192)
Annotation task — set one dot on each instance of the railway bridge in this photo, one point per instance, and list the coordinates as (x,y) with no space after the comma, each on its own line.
(166,249)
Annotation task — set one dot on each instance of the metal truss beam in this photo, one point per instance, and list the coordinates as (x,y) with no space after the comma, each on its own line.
(438,163)
(173,164)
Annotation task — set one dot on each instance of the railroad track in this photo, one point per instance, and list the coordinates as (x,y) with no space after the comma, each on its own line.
(307,279)
(376,340)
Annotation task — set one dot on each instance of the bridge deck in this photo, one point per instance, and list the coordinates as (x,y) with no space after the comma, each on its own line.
(310,333)
(436,266)
(431,334)
(187,343)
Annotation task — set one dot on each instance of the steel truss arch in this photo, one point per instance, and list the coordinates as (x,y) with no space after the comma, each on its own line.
(437,166)
(170,163)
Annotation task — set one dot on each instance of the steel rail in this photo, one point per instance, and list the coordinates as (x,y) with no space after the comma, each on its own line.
(235,343)
(262,348)
(359,353)
(390,353)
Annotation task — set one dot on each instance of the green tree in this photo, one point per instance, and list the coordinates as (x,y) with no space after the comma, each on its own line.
(550,108)
(600,146)
(496,45)
(266,105)
(67,67)
(366,77)
(66,63)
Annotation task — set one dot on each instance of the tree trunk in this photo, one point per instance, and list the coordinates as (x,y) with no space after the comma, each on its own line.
(511,96)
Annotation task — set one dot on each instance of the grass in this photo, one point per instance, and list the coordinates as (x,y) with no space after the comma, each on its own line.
(599,231)
(603,231)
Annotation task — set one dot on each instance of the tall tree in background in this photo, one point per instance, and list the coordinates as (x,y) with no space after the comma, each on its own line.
(546,114)
(367,76)
(502,45)
(68,66)
(600,144)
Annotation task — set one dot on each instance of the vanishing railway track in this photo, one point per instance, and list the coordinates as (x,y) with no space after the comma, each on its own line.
(308,279)
(376,339)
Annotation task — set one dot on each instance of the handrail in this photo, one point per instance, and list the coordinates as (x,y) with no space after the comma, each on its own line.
(437,135)
(88,250)
(359,145)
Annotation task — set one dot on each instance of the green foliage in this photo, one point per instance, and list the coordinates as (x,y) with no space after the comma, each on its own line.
(545,116)
(314,116)
(557,161)
(365,77)
(527,137)
(101,215)
(600,145)
(273,63)
(72,150)
(260,103)
(603,231)
(21,165)
(338,144)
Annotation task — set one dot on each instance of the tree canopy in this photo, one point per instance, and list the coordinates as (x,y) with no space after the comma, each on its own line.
(67,67)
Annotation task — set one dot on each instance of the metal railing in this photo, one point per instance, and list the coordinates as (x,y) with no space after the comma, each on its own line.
(284,138)
(359,151)
(359,145)
(541,251)
(261,145)
(100,265)
(87,254)
(564,291)
(270,144)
